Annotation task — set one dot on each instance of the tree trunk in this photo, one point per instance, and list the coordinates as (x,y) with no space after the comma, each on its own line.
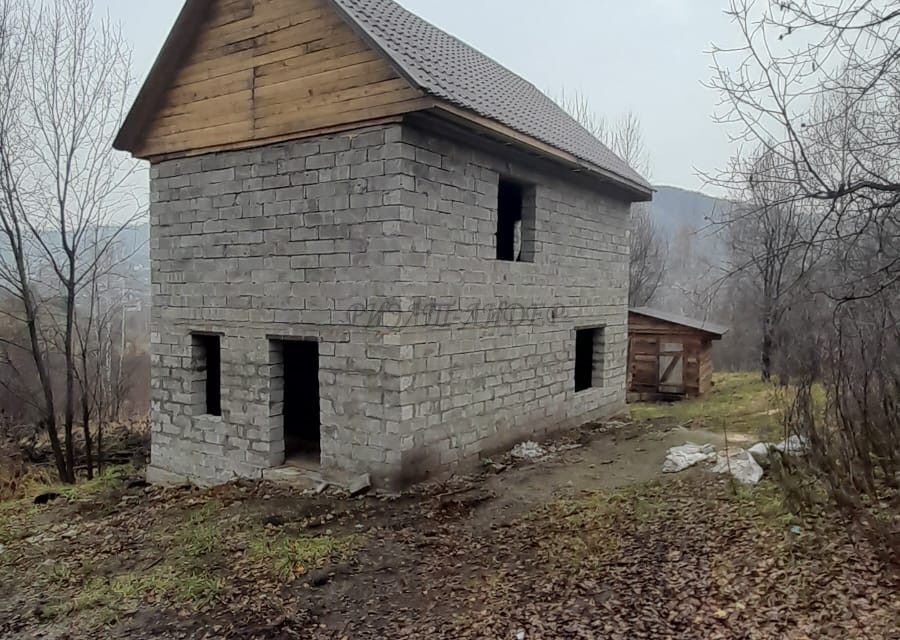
(765,359)
(31,317)
(69,417)
(100,446)
(58,459)
(86,427)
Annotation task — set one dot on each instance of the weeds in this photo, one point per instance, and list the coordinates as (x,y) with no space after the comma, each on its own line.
(199,589)
(200,536)
(294,556)
(107,599)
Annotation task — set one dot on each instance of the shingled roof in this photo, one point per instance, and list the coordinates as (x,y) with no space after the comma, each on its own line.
(448,68)
(465,86)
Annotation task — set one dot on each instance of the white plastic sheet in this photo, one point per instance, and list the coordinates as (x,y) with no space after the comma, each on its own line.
(687,455)
(794,445)
(741,465)
(760,452)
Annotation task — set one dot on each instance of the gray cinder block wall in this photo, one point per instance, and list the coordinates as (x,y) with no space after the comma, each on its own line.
(380,245)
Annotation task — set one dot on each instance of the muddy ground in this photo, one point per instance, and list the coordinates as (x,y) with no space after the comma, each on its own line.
(590,542)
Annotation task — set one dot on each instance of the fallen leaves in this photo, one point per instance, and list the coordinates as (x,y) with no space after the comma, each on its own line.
(682,559)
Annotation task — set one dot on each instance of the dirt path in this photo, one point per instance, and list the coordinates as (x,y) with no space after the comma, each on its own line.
(607,458)
(584,544)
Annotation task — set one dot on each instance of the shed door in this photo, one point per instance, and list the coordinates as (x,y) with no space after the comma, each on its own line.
(671,367)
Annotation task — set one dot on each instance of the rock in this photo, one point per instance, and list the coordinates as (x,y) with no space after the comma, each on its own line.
(742,466)
(2,549)
(321,487)
(359,485)
(687,455)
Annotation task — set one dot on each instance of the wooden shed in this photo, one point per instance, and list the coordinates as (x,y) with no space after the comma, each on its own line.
(669,356)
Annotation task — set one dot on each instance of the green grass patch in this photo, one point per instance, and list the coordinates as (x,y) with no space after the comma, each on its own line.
(740,402)
(112,479)
(104,600)
(186,578)
(291,556)
(201,534)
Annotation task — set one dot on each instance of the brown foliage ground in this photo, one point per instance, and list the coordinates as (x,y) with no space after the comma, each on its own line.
(584,545)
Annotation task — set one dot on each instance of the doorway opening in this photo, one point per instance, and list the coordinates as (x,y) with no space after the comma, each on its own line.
(295,398)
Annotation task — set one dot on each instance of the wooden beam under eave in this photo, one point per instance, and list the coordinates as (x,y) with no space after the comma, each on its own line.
(300,135)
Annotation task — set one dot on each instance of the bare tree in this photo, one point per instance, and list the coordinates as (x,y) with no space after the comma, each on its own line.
(649,253)
(577,105)
(768,246)
(649,249)
(65,80)
(814,83)
(101,335)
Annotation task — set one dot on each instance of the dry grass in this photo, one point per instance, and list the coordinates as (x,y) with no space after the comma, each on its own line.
(740,402)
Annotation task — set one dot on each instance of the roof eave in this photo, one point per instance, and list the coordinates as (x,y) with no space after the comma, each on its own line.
(637,192)
(712,329)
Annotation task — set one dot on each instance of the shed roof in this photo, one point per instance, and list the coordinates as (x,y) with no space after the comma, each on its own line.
(437,63)
(700,325)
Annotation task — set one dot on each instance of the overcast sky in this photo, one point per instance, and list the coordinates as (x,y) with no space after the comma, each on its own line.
(648,56)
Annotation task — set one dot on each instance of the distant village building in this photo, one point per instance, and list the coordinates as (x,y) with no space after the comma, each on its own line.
(669,356)
(374,249)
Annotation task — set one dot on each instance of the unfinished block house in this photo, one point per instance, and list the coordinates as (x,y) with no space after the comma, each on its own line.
(374,249)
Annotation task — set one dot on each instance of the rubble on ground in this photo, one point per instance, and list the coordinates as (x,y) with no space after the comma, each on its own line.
(359,485)
(528,450)
(531,450)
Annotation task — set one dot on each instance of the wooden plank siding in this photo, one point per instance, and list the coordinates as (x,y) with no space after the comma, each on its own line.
(645,335)
(266,70)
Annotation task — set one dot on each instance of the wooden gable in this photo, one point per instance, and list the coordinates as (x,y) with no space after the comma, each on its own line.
(260,71)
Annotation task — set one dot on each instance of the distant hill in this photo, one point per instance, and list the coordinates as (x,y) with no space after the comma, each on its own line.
(697,248)
(675,208)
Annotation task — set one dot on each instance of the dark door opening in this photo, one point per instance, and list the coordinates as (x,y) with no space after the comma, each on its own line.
(509,221)
(206,357)
(302,422)
(584,359)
